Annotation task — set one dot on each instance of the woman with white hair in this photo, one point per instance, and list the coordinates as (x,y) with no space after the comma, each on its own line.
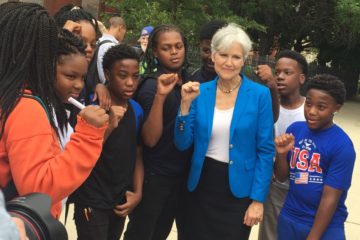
(229,122)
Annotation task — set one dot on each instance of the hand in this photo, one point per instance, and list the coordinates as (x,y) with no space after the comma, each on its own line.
(166,82)
(116,114)
(73,27)
(284,143)
(254,214)
(189,91)
(103,94)
(265,74)
(94,115)
(132,200)
(21,228)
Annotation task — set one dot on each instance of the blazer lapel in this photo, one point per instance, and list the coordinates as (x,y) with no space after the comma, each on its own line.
(209,104)
(240,104)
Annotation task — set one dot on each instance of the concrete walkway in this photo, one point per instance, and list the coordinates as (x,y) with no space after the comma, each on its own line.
(349,119)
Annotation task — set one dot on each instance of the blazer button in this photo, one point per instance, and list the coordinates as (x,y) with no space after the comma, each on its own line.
(230,146)
(231,162)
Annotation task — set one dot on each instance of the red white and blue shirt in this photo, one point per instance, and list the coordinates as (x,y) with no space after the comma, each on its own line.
(318,158)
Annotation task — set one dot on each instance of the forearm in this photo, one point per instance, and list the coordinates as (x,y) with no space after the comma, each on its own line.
(325,212)
(138,172)
(50,171)
(281,167)
(108,131)
(185,107)
(275,102)
(153,126)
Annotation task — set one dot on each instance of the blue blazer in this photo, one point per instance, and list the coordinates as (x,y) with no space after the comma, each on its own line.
(251,148)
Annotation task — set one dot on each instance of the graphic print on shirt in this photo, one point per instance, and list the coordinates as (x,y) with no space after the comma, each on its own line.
(305,163)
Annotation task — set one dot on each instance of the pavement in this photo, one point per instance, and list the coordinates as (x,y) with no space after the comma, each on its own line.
(349,119)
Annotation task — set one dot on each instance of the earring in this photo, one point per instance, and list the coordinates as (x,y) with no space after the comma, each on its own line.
(156,61)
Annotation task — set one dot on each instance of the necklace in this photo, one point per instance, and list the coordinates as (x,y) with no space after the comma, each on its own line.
(228,91)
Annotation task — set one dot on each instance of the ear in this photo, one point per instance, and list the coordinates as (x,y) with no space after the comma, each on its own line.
(302,78)
(107,75)
(213,57)
(337,108)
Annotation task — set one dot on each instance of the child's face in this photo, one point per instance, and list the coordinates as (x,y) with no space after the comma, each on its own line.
(170,50)
(289,76)
(70,73)
(205,54)
(88,35)
(319,109)
(123,78)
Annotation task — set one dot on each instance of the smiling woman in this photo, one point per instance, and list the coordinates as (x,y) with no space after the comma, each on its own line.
(228,121)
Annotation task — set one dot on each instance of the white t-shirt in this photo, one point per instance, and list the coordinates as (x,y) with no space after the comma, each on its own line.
(286,118)
(220,135)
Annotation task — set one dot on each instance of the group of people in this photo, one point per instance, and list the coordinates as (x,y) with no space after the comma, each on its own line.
(155,143)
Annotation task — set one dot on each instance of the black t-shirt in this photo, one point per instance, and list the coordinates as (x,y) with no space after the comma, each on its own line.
(201,75)
(164,158)
(114,171)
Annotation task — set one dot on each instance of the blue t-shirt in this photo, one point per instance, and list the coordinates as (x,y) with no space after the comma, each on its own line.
(319,157)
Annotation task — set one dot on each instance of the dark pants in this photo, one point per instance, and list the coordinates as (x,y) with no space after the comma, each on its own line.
(154,216)
(96,224)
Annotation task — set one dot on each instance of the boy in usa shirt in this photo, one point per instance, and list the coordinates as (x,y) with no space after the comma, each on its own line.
(318,157)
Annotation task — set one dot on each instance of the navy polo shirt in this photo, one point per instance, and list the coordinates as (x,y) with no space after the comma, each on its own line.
(164,158)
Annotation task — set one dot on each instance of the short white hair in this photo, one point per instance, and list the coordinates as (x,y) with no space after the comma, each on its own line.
(226,36)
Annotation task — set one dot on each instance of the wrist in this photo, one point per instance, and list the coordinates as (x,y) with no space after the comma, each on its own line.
(160,96)
(185,107)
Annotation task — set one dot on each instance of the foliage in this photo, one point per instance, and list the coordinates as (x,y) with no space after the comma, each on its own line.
(332,27)
(189,15)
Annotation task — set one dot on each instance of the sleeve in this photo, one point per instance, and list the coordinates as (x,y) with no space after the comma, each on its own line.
(341,167)
(264,148)
(184,128)
(146,95)
(140,125)
(36,162)
(102,50)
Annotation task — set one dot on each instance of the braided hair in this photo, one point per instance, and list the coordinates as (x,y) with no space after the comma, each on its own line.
(69,44)
(28,43)
(76,14)
(151,63)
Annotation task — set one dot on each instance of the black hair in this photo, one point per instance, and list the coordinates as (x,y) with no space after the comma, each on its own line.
(117,53)
(28,43)
(208,30)
(76,14)
(300,59)
(151,63)
(69,44)
(330,84)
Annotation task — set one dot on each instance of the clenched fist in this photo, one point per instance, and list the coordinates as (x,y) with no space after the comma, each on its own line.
(189,91)
(166,82)
(94,115)
(284,143)
(116,114)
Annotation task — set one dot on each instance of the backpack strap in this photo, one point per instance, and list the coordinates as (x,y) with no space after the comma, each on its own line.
(92,76)
(139,114)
